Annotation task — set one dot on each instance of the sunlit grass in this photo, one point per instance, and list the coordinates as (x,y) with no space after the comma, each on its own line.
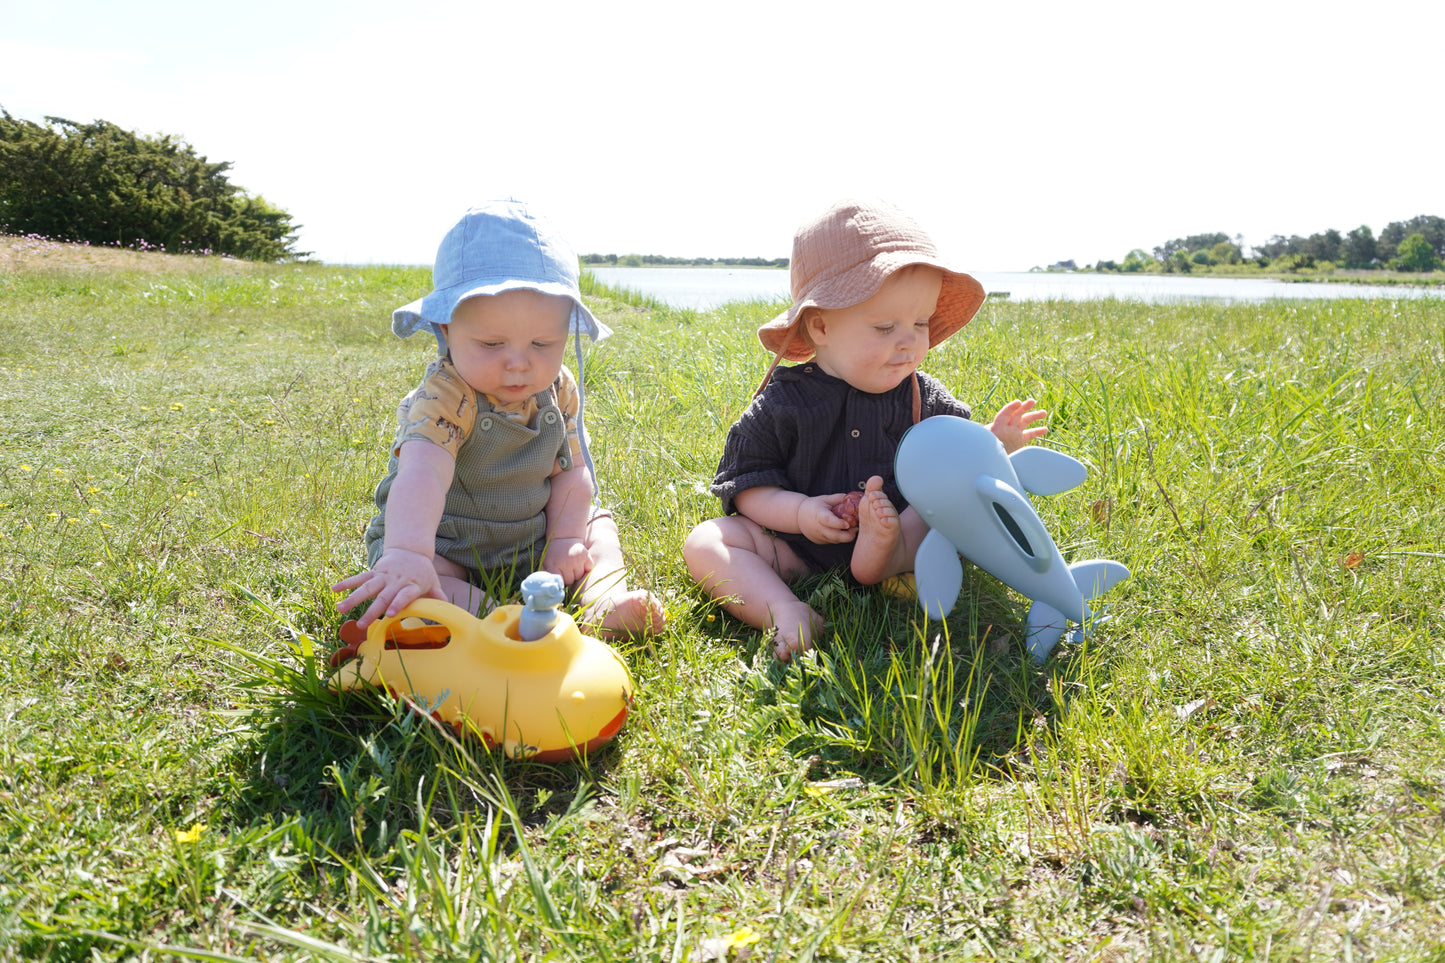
(1244,762)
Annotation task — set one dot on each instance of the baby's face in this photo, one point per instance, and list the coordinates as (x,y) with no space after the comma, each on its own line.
(876,344)
(509,345)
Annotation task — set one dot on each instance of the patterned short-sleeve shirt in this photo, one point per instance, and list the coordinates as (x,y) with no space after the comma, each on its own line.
(443,409)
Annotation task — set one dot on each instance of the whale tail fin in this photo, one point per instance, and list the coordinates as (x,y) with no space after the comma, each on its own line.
(1047,624)
(1096,576)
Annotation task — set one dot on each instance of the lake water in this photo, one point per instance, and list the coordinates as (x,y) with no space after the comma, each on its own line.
(708,287)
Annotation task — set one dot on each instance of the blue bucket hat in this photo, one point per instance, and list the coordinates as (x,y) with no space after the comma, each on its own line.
(495,247)
(503,246)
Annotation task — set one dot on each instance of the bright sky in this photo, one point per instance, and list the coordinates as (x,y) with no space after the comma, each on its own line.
(1018,133)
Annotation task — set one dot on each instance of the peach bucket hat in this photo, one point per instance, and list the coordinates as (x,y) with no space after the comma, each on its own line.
(843,257)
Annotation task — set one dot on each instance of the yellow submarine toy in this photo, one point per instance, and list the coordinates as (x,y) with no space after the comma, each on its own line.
(523,676)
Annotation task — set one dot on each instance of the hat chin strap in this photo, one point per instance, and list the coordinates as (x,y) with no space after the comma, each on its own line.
(778,358)
(581,430)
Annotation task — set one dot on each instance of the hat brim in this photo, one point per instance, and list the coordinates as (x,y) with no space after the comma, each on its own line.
(959,299)
(428,313)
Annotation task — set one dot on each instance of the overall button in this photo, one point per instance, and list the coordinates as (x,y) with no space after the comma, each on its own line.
(854,433)
(550,417)
(485,424)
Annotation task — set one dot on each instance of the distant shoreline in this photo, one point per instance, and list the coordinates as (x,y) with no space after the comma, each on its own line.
(1341,276)
(1353,276)
(686,267)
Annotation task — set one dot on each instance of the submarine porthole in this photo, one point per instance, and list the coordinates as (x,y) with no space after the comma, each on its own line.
(1013,529)
(417,633)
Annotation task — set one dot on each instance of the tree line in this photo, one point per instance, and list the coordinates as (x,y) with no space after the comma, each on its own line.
(649,260)
(99,184)
(1414,245)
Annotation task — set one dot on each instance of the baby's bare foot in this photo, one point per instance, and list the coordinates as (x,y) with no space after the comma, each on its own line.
(879,536)
(794,626)
(637,612)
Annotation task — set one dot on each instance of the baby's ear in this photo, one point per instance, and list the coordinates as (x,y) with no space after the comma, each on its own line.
(813,324)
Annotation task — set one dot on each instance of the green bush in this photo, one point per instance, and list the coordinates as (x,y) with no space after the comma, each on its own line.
(1293,262)
(1225,252)
(100,184)
(1416,254)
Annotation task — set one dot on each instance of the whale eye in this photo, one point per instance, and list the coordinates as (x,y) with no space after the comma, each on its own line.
(1013,529)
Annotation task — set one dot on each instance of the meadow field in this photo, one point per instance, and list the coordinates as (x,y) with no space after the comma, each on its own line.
(1244,763)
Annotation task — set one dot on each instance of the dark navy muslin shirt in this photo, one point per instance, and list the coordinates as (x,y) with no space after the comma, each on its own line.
(812,433)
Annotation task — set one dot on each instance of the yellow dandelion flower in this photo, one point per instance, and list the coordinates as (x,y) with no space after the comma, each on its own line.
(26,468)
(743,937)
(190,835)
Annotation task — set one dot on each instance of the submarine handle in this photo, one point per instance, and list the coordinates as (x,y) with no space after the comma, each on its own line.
(434,610)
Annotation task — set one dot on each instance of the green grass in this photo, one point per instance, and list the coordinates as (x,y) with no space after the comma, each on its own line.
(1244,763)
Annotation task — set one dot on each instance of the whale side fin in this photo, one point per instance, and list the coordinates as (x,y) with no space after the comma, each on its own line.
(1096,576)
(1044,471)
(938,574)
(1046,627)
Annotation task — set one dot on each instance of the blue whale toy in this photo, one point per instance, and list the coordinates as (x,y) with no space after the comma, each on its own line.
(956,475)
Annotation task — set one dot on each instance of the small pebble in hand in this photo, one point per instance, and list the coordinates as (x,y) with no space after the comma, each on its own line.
(847,509)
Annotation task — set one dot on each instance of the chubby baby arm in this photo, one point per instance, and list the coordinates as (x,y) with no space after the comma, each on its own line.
(406,571)
(1015,425)
(569,504)
(795,513)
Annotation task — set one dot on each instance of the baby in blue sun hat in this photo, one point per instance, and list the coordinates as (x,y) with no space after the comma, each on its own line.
(489,471)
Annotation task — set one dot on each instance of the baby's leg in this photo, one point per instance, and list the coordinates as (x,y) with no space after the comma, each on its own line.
(459,590)
(609,607)
(879,550)
(747,569)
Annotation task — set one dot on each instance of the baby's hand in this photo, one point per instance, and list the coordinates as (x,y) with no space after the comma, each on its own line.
(1014,425)
(819,522)
(569,558)
(399,578)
